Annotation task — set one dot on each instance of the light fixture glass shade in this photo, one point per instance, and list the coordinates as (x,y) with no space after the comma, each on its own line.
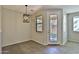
(26,18)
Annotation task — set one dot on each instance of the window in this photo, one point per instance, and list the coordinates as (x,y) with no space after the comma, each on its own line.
(76,23)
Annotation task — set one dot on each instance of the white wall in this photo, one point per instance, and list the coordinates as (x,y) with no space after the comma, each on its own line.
(72,36)
(0,29)
(64,29)
(42,37)
(66,35)
(67,10)
(14,30)
(37,36)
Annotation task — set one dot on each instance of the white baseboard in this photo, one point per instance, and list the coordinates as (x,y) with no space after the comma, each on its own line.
(40,42)
(14,43)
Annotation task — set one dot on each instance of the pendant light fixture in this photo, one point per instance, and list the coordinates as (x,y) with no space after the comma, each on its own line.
(26,17)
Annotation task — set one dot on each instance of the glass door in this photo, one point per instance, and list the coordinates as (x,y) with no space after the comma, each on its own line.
(53,28)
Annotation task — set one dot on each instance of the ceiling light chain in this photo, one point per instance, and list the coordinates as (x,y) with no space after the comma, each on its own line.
(26,8)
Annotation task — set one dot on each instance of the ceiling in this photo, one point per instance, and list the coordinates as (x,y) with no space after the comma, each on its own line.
(21,8)
(66,8)
(33,8)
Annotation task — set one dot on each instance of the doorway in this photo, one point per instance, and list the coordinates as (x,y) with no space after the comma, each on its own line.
(53,28)
(55,24)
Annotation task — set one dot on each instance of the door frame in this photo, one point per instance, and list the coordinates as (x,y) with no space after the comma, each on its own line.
(59,12)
